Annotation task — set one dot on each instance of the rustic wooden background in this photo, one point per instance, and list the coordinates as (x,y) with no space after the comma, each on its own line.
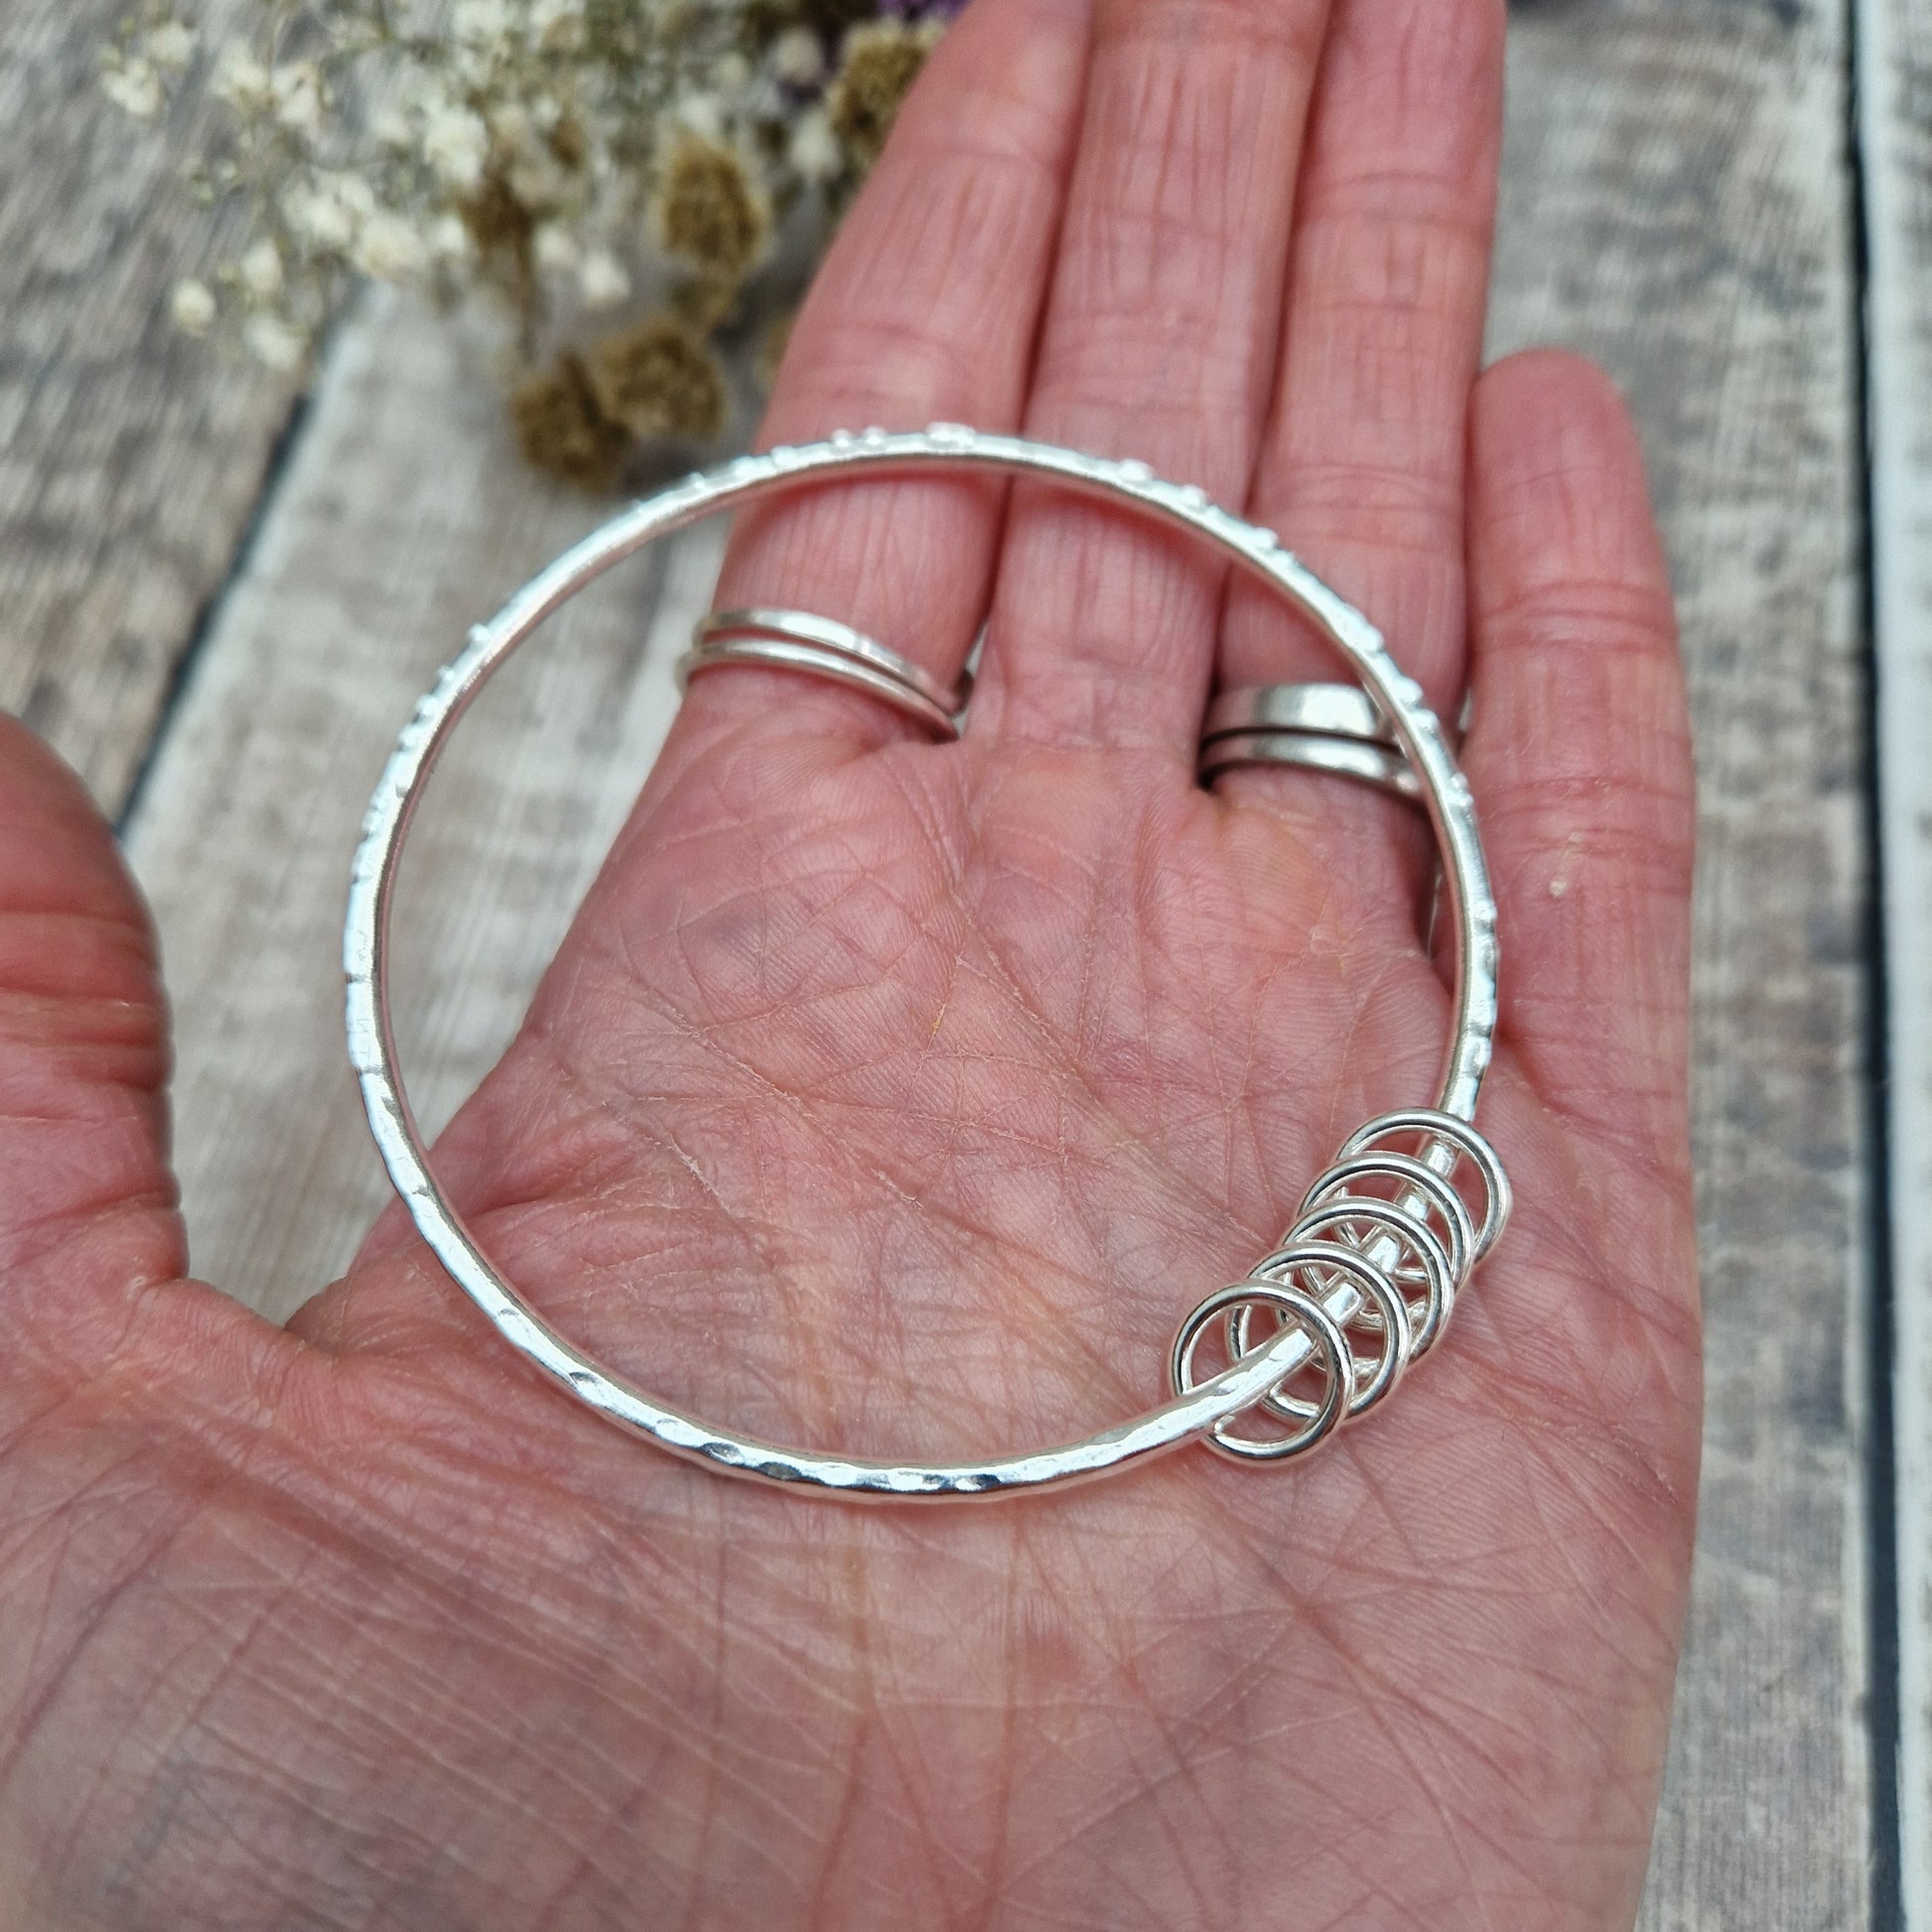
(218,603)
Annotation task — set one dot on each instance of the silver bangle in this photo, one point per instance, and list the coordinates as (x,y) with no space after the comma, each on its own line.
(1387,1236)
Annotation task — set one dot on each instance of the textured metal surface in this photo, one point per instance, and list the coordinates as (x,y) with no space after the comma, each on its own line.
(1192,1413)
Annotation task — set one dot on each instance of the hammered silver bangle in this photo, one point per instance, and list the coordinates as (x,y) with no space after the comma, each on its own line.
(1320,1330)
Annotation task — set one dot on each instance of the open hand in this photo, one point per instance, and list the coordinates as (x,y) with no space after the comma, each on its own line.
(901,1098)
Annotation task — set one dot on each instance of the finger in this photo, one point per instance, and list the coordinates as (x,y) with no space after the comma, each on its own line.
(1363,462)
(1579,750)
(88,1216)
(1158,344)
(925,309)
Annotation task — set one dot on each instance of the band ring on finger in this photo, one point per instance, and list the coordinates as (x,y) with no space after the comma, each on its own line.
(1328,728)
(801,640)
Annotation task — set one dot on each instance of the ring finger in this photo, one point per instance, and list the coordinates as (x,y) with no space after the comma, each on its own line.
(1361,468)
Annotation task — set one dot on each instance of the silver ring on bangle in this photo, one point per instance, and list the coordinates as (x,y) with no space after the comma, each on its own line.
(1393,1221)
(801,640)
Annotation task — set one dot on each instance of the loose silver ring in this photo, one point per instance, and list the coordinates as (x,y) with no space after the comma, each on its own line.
(1320,1330)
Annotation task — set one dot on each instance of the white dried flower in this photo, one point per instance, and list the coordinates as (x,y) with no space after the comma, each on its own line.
(480,22)
(814,151)
(510,123)
(273,342)
(260,270)
(730,74)
(389,250)
(297,89)
(798,57)
(702,114)
(134,87)
(539,183)
(192,307)
(170,45)
(554,248)
(391,127)
(557,25)
(455,144)
(325,212)
(449,240)
(602,281)
(240,79)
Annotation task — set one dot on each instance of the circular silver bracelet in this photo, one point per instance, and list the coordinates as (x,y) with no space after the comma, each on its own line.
(1324,1328)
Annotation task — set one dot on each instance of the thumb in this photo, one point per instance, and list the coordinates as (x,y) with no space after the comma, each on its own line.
(87,1206)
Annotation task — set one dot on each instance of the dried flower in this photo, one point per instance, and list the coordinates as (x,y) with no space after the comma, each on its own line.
(880,62)
(133,86)
(328,211)
(170,45)
(557,25)
(502,150)
(797,56)
(273,342)
(456,144)
(814,151)
(296,88)
(192,307)
(708,210)
(659,379)
(260,270)
(562,428)
(389,250)
(601,281)
(503,230)
(240,79)
(391,128)
(480,22)
(449,239)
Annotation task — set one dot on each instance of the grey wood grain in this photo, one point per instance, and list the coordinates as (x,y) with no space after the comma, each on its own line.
(1895,45)
(403,516)
(1675,206)
(1677,202)
(130,458)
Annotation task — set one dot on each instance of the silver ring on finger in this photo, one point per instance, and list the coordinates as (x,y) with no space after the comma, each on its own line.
(802,640)
(1330,728)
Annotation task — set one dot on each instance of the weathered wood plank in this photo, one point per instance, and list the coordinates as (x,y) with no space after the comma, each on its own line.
(1676,206)
(130,458)
(1676,203)
(402,517)
(1895,115)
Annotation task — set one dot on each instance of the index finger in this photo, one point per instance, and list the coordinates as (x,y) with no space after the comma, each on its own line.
(925,310)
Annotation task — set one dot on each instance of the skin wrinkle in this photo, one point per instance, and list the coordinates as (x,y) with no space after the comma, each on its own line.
(976,1233)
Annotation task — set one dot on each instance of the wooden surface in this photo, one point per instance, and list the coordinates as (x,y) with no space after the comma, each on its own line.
(1896,40)
(401,517)
(131,461)
(1680,203)
(1676,208)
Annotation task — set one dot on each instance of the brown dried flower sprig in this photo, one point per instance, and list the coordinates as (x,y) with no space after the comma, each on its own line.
(636,185)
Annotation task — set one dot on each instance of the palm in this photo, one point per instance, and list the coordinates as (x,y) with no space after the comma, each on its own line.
(902,1097)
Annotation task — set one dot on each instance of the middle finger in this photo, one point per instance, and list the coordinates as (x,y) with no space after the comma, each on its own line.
(1159,342)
